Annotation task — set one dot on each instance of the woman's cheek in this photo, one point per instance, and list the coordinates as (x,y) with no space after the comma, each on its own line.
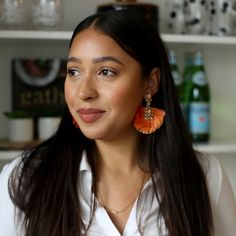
(119,95)
(69,94)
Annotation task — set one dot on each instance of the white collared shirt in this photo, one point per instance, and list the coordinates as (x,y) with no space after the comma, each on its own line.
(143,215)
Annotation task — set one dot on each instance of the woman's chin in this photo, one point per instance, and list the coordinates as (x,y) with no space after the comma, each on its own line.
(93,134)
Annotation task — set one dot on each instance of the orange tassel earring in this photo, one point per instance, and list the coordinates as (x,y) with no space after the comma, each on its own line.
(147,119)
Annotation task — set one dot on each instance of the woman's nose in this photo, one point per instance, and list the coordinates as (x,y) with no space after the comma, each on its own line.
(87,91)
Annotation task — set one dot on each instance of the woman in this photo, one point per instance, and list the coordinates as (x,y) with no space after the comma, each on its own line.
(121,161)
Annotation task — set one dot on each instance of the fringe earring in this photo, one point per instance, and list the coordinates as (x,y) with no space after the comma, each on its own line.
(75,123)
(147,119)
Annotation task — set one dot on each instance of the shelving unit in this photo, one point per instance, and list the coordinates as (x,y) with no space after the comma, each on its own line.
(199,39)
(34,35)
(66,35)
(42,38)
(216,147)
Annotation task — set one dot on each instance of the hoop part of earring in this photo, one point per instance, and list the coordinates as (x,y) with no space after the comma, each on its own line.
(75,123)
(147,119)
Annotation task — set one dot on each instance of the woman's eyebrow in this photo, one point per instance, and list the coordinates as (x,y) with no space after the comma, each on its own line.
(106,58)
(74,59)
(96,60)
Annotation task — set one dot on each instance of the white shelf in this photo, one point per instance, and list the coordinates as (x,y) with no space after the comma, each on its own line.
(9,155)
(66,35)
(212,147)
(34,35)
(217,147)
(199,39)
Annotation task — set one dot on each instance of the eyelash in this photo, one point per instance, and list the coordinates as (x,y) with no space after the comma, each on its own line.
(73,72)
(107,72)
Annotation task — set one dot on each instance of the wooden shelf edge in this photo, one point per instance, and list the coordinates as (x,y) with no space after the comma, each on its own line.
(199,39)
(35,35)
(215,148)
(66,35)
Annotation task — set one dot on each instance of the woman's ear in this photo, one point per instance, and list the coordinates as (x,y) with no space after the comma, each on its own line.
(153,81)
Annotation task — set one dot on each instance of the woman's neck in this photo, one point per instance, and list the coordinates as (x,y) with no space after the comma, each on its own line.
(119,178)
(118,157)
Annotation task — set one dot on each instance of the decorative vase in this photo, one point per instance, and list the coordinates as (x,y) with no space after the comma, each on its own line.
(47,14)
(47,126)
(21,129)
(13,14)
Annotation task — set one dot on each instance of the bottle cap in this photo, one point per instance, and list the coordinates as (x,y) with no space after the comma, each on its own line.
(172,57)
(198,60)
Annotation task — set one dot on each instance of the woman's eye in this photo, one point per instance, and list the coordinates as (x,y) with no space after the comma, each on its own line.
(73,72)
(107,72)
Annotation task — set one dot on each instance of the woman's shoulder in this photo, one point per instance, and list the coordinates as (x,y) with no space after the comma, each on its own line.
(214,173)
(216,176)
(7,170)
(7,208)
(5,175)
(221,195)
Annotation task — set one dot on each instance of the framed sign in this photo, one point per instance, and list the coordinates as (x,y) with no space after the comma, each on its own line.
(38,86)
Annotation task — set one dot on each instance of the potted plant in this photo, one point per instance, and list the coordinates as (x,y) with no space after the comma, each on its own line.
(48,123)
(20,126)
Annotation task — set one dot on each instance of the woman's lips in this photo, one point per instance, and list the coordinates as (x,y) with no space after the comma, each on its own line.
(90,115)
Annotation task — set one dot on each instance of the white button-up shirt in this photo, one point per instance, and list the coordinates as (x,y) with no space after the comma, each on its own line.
(143,216)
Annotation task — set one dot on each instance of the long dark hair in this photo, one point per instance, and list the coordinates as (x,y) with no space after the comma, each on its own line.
(44,185)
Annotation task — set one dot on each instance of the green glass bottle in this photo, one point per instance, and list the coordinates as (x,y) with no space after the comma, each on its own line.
(178,79)
(187,78)
(197,96)
(188,66)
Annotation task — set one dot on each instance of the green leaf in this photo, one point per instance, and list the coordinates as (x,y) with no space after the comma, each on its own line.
(17,114)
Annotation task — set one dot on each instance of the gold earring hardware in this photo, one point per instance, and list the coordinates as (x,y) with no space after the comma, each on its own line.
(148,119)
(148,112)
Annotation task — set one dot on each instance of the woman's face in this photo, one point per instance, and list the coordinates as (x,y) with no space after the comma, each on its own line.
(103,87)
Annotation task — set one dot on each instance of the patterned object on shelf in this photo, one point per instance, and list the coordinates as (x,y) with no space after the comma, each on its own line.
(46,15)
(38,85)
(13,14)
(216,17)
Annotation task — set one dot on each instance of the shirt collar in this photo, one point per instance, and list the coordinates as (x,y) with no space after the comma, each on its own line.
(85,167)
(84,164)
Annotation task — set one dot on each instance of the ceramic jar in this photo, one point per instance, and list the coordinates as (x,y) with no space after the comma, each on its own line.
(47,126)
(46,14)
(13,14)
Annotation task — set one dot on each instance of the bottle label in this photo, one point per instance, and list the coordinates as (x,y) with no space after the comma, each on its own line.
(177,78)
(199,117)
(199,78)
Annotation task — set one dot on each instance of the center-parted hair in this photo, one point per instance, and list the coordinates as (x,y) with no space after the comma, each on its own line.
(47,178)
